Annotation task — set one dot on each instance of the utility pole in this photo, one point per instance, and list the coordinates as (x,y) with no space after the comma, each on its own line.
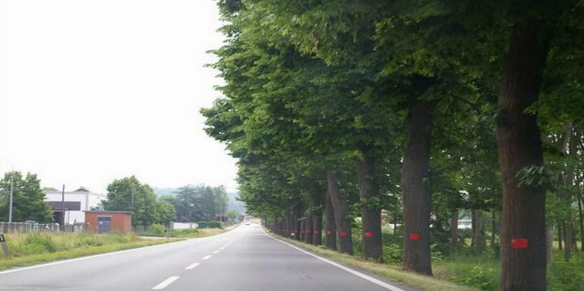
(63,209)
(11,195)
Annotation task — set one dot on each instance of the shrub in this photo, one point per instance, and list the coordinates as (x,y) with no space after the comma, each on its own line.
(566,276)
(210,224)
(157,229)
(479,279)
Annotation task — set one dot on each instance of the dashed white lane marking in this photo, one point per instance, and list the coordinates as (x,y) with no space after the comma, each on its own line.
(165,283)
(215,252)
(358,274)
(222,248)
(192,266)
(206,257)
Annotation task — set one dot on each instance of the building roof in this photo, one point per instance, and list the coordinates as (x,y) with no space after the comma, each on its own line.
(105,211)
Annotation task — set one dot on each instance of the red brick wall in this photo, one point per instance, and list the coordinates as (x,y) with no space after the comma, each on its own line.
(121,222)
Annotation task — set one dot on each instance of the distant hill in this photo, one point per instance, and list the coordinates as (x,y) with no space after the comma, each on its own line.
(232,204)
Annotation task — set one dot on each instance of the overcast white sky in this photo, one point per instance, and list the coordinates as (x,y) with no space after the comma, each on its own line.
(92,91)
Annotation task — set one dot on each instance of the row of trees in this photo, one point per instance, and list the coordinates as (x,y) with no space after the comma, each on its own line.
(342,108)
(128,194)
(199,203)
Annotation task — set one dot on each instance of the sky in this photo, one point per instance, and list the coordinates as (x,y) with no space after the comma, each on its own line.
(92,91)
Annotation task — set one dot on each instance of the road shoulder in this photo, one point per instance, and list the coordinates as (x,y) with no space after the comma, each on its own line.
(392,275)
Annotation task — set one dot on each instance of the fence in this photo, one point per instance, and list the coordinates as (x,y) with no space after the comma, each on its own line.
(183,225)
(6,227)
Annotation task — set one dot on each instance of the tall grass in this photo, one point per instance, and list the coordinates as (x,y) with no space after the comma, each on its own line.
(33,243)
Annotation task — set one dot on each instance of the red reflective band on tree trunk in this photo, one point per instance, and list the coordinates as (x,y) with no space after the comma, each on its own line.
(316,232)
(328,232)
(344,233)
(368,234)
(414,236)
(520,243)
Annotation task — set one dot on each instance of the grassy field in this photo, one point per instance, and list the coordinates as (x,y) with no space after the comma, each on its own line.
(185,233)
(40,247)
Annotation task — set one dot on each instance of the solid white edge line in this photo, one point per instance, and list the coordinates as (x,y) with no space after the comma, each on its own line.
(192,266)
(165,283)
(90,257)
(206,257)
(356,273)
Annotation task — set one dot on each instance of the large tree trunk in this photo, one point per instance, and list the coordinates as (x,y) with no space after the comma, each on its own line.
(341,209)
(454,230)
(479,239)
(416,188)
(316,206)
(370,216)
(523,255)
(331,226)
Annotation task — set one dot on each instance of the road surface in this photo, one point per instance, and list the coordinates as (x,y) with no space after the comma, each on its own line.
(244,259)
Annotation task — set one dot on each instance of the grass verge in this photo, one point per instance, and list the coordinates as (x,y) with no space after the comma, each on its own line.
(41,247)
(393,273)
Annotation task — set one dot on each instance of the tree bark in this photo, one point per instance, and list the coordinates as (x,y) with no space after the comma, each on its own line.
(523,255)
(331,226)
(316,205)
(308,229)
(296,224)
(549,243)
(479,239)
(341,209)
(416,188)
(370,216)
(567,146)
(581,216)
(454,231)
(560,236)
(494,229)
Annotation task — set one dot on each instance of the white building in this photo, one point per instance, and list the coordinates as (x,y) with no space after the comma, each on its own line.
(75,203)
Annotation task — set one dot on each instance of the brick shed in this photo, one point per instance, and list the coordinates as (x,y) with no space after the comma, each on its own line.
(105,221)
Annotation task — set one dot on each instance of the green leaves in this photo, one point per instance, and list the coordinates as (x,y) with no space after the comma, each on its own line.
(28,199)
(535,176)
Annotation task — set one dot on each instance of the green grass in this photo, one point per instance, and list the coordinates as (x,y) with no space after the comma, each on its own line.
(39,247)
(481,272)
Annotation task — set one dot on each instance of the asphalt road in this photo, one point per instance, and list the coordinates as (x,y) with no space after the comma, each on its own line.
(244,259)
